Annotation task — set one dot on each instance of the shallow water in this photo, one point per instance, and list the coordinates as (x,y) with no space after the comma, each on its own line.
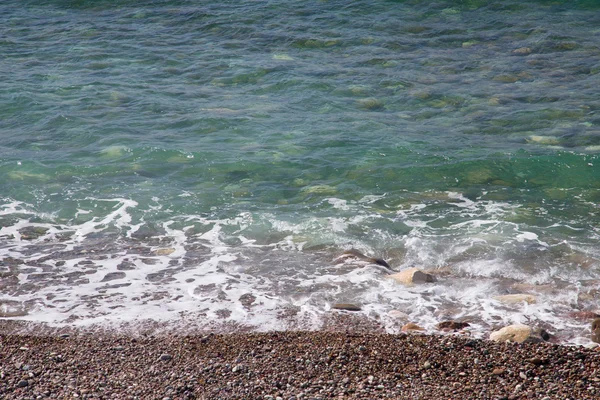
(209,162)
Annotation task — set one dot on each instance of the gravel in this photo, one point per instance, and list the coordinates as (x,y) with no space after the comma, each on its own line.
(291,365)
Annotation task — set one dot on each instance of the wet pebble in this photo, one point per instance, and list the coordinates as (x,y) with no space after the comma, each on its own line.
(346,307)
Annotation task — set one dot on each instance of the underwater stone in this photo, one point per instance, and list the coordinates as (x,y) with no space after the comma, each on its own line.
(549,140)
(412,276)
(32,232)
(319,189)
(398,314)
(371,104)
(112,276)
(164,252)
(452,325)
(516,298)
(346,307)
(522,51)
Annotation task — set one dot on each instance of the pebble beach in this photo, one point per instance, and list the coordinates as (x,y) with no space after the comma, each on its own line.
(292,201)
(289,365)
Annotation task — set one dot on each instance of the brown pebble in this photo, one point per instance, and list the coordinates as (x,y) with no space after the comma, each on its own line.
(596,330)
(411,327)
(539,361)
(452,325)
(498,371)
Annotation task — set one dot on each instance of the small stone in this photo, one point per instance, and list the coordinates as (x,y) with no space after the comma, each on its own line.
(518,388)
(516,298)
(165,357)
(596,330)
(584,315)
(522,375)
(522,51)
(164,252)
(511,333)
(411,327)
(540,139)
(452,325)
(539,361)
(498,371)
(247,299)
(371,104)
(346,306)
(111,276)
(398,314)
(238,368)
(23,383)
(519,333)
(411,276)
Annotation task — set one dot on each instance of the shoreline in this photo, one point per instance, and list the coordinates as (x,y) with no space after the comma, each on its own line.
(289,365)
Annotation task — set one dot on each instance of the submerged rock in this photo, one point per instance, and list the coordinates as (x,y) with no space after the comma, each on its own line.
(452,325)
(412,276)
(398,314)
(371,104)
(346,307)
(319,189)
(584,315)
(164,251)
(247,299)
(516,298)
(519,333)
(11,308)
(353,253)
(540,139)
(32,232)
(522,51)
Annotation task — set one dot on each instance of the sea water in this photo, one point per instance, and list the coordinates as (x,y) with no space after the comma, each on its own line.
(204,164)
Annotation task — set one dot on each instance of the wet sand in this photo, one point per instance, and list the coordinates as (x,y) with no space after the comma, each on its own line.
(288,365)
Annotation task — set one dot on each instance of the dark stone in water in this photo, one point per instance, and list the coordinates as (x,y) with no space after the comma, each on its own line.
(247,299)
(125,265)
(112,276)
(32,232)
(346,306)
(453,325)
(357,254)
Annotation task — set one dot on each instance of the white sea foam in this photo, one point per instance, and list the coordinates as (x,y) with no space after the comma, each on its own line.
(210,271)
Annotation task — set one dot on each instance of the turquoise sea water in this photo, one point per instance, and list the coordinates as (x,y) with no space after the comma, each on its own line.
(206,151)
